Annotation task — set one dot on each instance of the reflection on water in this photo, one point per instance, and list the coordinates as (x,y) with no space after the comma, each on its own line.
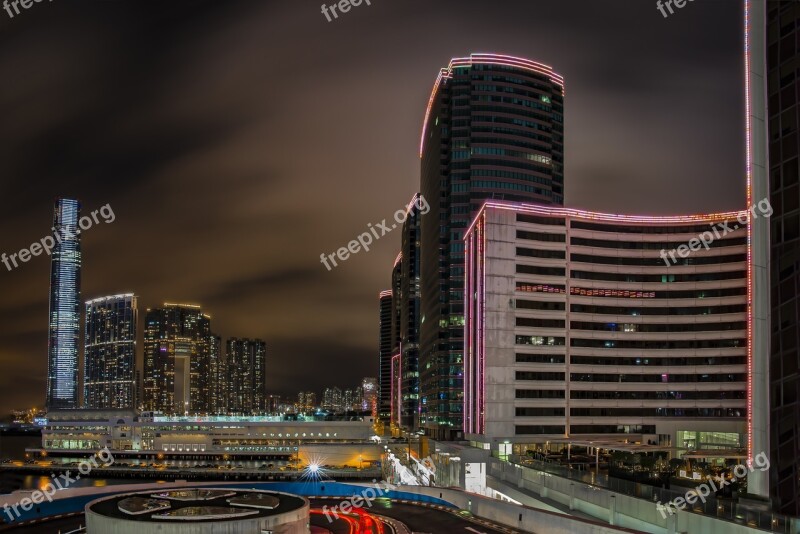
(14,446)
(11,481)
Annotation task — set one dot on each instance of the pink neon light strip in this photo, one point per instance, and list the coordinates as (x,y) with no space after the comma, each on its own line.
(468,300)
(749,163)
(551,211)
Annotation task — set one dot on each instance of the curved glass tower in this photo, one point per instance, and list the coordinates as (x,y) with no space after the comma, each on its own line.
(494,129)
(65,307)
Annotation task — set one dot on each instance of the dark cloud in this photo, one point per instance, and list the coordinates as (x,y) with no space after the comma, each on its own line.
(237,141)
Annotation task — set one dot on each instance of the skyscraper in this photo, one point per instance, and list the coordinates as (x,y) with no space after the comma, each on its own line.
(247,362)
(110,353)
(332,400)
(177,358)
(409,318)
(220,382)
(783,32)
(65,307)
(494,128)
(385,346)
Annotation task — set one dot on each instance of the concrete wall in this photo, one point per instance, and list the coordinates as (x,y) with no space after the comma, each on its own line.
(614,508)
(513,515)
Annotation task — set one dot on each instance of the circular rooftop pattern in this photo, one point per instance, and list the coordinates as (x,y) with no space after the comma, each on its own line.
(141,505)
(180,511)
(193,495)
(201,513)
(255,500)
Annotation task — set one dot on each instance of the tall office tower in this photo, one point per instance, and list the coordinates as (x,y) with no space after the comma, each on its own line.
(385,346)
(65,307)
(594,326)
(110,353)
(409,318)
(494,128)
(177,354)
(369,402)
(247,362)
(220,377)
(783,85)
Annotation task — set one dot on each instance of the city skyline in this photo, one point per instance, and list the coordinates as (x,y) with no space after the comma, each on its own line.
(614,165)
(585,318)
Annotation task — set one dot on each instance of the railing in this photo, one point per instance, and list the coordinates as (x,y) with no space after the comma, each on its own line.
(724,509)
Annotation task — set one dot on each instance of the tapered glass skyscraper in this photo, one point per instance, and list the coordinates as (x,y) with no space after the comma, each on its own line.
(65,307)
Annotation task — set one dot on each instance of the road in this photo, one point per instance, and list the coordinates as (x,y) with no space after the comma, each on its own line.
(418,519)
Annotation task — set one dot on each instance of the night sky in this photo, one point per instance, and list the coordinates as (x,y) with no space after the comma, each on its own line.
(236,141)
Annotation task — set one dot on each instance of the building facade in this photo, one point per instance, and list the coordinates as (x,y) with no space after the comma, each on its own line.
(589,325)
(177,360)
(385,346)
(65,307)
(129,434)
(110,353)
(332,400)
(369,397)
(247,365)
(494,128)
(783,41)
(410,317)
(220,377)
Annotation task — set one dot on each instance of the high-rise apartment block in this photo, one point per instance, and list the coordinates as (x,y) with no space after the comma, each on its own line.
(177,360)
(110,353)
(246,369)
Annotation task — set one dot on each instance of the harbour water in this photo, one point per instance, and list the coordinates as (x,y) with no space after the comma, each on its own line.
(13,447)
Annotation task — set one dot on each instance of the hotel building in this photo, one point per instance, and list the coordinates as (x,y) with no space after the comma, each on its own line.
(110,353)
(494,129)
(581,326)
